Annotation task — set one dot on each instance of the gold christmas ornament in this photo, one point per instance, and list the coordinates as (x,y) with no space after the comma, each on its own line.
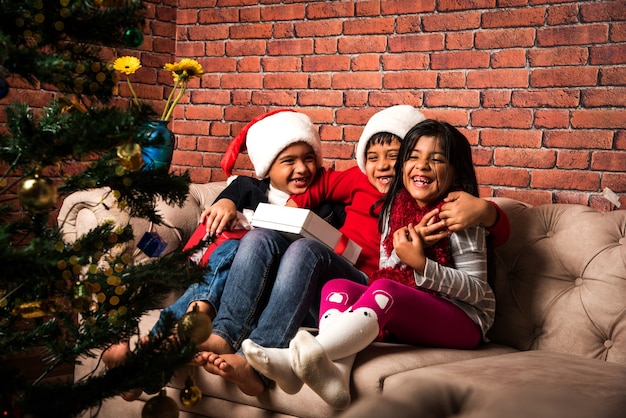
(195,325)
(160,406)
(130,156)
(190,395)
(37,194)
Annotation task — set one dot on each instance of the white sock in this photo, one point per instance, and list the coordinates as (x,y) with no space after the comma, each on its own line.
(328,318)
(349,332)
(311,364)
(273,363)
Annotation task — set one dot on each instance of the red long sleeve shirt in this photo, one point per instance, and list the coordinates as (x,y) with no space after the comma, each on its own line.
(354,189)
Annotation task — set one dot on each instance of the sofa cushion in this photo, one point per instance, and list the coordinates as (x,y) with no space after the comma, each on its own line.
(560,281)
(379,361)
(421,395)
(537,384)
(535,368)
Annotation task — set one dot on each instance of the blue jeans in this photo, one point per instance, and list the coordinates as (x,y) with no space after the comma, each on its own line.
(272,284)
(209,290)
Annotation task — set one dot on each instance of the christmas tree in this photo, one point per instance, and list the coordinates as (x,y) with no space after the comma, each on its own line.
(71,300)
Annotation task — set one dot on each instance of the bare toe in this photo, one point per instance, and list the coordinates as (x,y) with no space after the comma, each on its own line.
(236,369)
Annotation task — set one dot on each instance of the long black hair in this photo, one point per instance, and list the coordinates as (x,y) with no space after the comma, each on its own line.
(456,149)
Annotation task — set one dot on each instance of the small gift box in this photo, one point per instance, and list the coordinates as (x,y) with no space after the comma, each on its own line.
(297,223)
(152,244)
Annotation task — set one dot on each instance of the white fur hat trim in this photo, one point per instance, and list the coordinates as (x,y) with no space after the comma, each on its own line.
(270,136)
(397,120)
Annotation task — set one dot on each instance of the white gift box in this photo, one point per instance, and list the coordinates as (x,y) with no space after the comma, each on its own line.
(297,223)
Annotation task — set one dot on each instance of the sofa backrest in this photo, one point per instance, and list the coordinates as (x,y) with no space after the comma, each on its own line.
(560,281)
(84,210)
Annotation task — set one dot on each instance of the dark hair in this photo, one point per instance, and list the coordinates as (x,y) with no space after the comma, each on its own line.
(456,149)
(381,138)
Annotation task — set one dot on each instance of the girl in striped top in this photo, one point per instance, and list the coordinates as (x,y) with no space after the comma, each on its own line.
(431,288)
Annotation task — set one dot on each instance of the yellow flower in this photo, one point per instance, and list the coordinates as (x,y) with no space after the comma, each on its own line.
(127,65)
(185,69)
(182,72)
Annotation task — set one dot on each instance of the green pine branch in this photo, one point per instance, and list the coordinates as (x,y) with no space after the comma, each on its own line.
(71,301)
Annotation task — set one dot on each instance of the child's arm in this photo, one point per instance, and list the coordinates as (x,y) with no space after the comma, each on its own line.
(466,281)
(331,185)
(462,211)
(242,193)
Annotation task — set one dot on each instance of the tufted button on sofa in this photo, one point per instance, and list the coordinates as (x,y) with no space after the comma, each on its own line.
(557,347)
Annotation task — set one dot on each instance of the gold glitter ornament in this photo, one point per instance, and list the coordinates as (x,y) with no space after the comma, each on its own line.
(195,325)
(190,395)
(160,406)
(130,156)
(37,194)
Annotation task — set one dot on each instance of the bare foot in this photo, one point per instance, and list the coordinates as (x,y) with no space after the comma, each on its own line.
(115,355)
(131,395)
(216,344)
(235,369)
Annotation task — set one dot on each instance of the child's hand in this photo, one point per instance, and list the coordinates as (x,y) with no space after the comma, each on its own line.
(462,211)
(409,247)
(409,242)
(431,229)
(220,216)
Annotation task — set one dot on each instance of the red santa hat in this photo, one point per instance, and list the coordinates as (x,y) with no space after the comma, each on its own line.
(268,135)
(397,120)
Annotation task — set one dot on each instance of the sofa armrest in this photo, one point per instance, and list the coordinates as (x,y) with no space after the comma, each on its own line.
(84,210)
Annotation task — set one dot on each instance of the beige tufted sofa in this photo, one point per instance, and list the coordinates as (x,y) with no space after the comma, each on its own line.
(557,349)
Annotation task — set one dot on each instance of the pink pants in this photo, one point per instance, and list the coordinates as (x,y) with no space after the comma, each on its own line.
(410,315)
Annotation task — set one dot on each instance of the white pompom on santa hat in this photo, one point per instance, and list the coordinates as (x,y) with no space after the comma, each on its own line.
(397,120)
(268,135)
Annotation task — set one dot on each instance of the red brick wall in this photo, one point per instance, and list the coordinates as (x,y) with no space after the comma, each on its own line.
(538,86)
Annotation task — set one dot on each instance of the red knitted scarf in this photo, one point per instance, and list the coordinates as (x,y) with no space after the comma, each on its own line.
(405,210)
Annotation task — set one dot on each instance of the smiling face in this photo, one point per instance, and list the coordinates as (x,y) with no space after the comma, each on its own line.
(294,169)
(427,174)
(379,162)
